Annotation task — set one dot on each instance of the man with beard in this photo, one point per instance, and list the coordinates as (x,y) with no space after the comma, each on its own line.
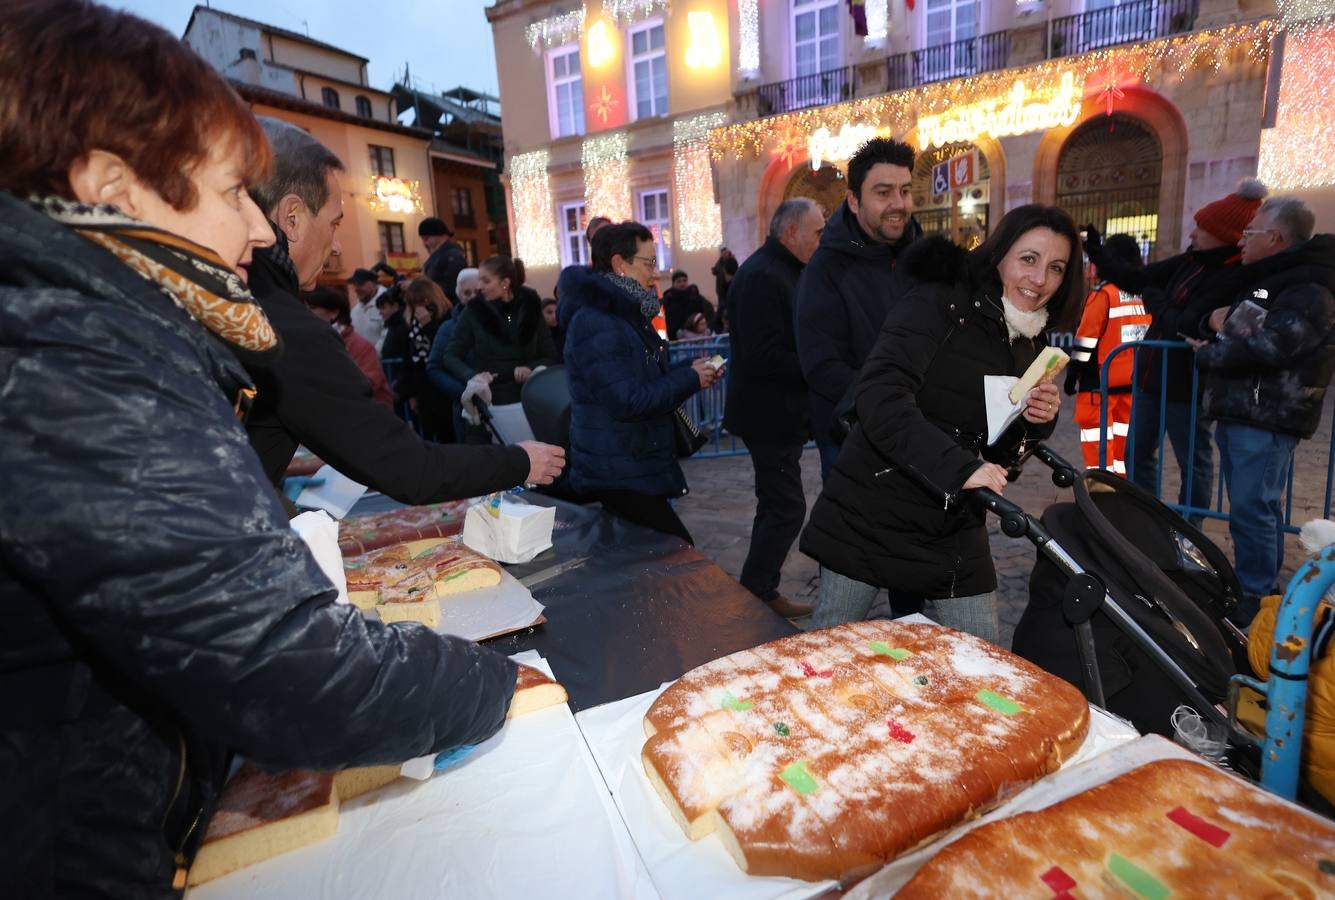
(846,287)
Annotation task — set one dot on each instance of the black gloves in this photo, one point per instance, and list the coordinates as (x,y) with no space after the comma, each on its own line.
(1093,243)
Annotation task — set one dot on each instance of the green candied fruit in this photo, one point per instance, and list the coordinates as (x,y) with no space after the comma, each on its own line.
(782,729)
(921,679)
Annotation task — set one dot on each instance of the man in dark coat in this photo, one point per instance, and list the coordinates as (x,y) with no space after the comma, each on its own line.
(447,258)
(846,288)
(680,302)
(315,395)
(767,396)
(1179,293)
(1266,374)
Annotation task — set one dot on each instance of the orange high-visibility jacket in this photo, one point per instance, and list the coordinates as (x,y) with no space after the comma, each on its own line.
(1112,317)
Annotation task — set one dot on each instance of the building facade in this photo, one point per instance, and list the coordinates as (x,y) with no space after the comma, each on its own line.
(1130,114)
(388,182)
(609,108)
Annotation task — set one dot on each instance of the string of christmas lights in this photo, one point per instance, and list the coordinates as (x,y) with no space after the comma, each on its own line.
(626,12)
(553,31)
(1301,16)
(699,219)
(748,37)
(1296,153)
(1168,57)
(606,176)
(535,220)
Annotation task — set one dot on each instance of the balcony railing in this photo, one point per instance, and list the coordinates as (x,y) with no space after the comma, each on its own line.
(967,57)
(1139,20)
(831,86)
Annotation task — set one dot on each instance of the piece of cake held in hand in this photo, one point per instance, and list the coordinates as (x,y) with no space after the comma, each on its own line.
(406,582)
(1045,367)
(828,754)
(534,691)
(261,815)
(1172,828)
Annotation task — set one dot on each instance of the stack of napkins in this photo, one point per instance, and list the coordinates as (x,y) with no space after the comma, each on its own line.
(509,532)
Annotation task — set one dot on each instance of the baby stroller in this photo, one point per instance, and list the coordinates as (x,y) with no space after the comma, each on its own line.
(1140,623)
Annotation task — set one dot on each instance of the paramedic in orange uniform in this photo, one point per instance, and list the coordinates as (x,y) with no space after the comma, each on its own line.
(1111,317)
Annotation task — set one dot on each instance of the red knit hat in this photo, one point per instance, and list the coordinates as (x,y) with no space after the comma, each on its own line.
(1226,218)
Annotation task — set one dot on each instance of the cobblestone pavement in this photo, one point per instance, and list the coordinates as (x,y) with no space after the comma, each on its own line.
(720,506)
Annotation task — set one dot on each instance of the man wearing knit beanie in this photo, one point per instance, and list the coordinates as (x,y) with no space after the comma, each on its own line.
(1179,293)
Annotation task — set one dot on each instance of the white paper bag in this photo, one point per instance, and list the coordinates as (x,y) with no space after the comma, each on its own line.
(518,534)
(1001,412)
(337,495)
(511,423)
(320,532)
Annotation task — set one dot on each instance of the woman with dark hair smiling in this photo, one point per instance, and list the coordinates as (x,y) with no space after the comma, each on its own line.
(160,615)
(894,512)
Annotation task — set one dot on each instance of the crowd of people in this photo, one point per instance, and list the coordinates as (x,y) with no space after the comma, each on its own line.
(165,348)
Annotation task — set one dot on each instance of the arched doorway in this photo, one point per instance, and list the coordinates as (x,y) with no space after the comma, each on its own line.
(960,214)
(1108,176)
(826,185)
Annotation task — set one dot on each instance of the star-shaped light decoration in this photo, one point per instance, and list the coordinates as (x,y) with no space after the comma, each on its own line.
(1111,91)
(604,104)
(789,148)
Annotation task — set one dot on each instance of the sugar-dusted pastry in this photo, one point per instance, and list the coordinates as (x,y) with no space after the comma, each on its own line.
(830,753)
(1171,828)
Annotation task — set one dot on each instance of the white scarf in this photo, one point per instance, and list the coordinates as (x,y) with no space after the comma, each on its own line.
(1023,324)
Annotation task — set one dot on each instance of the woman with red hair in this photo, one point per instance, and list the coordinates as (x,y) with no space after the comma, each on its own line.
(159,613)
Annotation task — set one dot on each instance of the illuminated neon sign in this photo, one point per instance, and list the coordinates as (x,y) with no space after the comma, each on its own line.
(395,195)
(1017,112)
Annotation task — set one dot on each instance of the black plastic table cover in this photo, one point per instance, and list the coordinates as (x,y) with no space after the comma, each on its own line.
(627,608)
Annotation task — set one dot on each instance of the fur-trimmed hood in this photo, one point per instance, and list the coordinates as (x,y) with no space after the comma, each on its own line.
(490,317)
(938,260)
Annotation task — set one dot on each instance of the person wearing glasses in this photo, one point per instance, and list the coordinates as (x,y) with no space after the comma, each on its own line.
(1265,377)
(623,392)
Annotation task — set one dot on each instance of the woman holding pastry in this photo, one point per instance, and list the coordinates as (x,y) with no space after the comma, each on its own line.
(894,512)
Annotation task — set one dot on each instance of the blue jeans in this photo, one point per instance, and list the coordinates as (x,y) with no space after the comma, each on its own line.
(1143,461)
(1255,464)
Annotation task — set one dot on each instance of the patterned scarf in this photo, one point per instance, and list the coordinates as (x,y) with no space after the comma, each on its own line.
(648,300)
(194,277)
(418,340)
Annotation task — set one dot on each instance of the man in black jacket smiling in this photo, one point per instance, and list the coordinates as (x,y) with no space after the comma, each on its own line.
(314,394)
(767,396)
(846,288)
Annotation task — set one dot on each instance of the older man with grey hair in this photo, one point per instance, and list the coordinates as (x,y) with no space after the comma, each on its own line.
(315,395)
(1266,374)
(767,404)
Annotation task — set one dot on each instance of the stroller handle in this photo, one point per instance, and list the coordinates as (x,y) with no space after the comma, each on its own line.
(1063,473)
(1015,522)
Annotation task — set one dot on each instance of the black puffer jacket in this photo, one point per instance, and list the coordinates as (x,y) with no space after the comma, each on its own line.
(499,337)
(891,513)
(842,298)
(156,611)
(1276,379)
(1178,292)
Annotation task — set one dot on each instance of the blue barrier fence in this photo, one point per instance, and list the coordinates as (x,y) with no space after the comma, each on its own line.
(706,407)
(1188,476)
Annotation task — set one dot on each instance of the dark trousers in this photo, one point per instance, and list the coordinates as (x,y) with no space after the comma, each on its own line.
(781,507)
(655,513)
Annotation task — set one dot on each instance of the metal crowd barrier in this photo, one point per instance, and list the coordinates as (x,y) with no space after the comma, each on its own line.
(1187,510)
(706,407)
